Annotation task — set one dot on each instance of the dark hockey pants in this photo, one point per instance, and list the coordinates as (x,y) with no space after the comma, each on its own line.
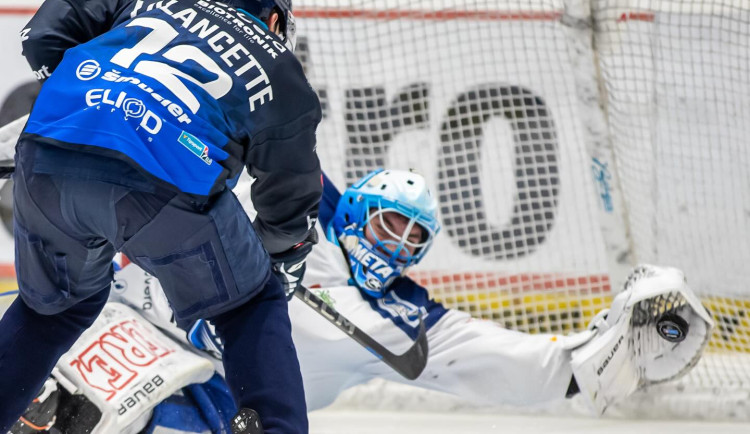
(210,263)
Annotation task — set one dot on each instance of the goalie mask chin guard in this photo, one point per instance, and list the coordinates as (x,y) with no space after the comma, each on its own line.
(262,9)
(364,209)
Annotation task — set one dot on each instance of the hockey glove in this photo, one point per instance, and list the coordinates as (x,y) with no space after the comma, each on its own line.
(289,265)
(202,335)
(655,331)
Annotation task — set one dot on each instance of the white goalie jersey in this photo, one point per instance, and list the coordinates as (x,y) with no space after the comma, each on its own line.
(474,359)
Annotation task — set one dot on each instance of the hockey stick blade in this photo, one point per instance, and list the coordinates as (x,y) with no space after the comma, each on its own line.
(409,364)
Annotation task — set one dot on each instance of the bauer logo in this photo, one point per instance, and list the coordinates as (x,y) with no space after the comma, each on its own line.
(609,357)
(195,146)
(88,70)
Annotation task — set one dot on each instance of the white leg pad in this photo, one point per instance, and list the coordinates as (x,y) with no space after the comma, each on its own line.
(126,366)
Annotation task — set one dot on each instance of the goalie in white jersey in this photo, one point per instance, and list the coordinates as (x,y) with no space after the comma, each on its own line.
(386,223)
(655,331)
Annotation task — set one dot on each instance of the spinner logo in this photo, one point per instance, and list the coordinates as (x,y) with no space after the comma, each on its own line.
(88,70)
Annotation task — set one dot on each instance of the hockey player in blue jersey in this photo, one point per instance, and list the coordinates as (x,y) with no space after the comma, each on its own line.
(150,112)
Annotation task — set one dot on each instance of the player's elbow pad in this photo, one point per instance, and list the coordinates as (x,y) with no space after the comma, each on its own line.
(42,56)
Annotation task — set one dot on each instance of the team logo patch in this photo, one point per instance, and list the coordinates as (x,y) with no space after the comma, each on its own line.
(88,70)
(374,284)
(398,307)
(195,146)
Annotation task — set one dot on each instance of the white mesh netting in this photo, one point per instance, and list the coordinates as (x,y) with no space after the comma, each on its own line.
(566,141)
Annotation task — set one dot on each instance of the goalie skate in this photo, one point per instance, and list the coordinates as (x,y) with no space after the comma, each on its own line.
(655,331)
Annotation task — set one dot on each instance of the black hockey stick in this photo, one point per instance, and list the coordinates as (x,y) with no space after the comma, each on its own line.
(409,364)
(6,171)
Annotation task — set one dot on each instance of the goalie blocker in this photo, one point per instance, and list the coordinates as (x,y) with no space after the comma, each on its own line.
(655,331)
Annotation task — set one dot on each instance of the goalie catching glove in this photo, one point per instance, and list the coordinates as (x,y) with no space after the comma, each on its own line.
(290,266)
(655,331)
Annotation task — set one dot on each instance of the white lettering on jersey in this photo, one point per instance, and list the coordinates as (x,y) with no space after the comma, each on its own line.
(173,108)
(131,107)
(252,32)
(161,35)
(373,263)
(138,6)
(42,73)
(233,54)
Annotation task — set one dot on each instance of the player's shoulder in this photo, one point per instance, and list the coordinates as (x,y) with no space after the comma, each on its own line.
(295,105)
(293,88)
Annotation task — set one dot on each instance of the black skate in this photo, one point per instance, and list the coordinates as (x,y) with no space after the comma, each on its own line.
(246,421)
(40,415)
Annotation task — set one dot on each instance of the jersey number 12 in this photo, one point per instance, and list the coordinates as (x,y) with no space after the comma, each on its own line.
(170,77)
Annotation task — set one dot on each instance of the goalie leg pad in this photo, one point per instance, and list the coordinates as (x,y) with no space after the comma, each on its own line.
(655,331)
(126,366)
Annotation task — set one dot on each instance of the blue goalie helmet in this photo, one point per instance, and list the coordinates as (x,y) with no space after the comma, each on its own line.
(386,222)
(262,9)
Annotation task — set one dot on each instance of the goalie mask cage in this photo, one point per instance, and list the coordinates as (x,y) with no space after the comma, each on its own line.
(566,141)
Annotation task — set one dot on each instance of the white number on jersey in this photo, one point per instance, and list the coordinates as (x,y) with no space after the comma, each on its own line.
(162,34)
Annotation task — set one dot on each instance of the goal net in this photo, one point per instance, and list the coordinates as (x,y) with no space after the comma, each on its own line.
(566,141)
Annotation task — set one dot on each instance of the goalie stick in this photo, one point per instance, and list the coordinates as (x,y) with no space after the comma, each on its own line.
(409,364)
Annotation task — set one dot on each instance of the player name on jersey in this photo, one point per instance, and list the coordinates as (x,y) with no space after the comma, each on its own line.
(233,53)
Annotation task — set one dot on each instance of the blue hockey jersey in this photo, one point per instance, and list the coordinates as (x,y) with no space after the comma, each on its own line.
(187,92)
